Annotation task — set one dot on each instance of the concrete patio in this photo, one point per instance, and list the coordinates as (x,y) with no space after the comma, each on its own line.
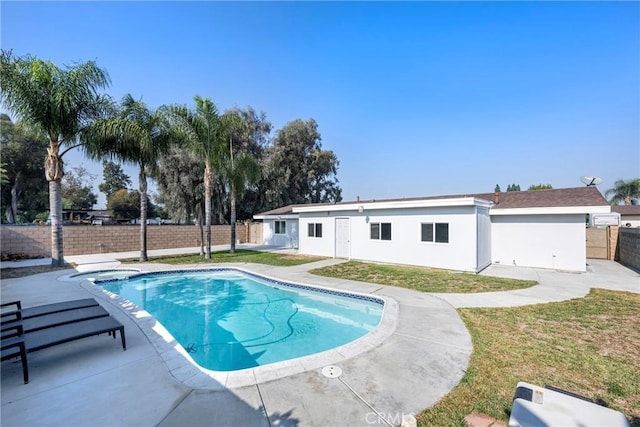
(93,382)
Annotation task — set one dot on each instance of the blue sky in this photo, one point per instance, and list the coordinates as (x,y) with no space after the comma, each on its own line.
(416,98)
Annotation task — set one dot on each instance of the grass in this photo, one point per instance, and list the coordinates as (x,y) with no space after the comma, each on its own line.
(421,279)
(240,255)
(588,346)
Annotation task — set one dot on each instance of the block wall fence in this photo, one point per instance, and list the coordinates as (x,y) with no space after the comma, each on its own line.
(629,247)
(35,241)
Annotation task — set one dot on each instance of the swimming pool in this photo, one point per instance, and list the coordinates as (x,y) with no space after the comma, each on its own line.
(105,274)
(228,319)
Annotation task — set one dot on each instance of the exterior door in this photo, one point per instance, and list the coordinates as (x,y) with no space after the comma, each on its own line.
(342,238)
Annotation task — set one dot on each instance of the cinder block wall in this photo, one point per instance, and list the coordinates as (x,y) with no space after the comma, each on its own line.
(35,241)
(629,247)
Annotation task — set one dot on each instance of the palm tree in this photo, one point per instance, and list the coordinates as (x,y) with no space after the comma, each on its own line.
(60,103)
(202,129)
(237,170)
(624,191)
(135,135)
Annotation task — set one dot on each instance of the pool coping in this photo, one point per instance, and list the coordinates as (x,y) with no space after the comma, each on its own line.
(71,277)
(185,370)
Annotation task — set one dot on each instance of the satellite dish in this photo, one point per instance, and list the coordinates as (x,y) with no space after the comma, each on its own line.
(591,180)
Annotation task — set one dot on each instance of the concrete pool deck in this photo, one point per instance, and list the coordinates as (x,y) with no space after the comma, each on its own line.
(93,382)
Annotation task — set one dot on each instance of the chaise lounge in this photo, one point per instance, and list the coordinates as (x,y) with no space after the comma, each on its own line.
(32,324)
(41,310)
(48,330)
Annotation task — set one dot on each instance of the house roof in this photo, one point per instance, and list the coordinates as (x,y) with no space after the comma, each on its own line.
(555,198)
(562,197)
(578,196)
(285,210)
(626,210)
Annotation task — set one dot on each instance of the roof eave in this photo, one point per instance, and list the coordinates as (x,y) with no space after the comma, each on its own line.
(551,210)
(398,204)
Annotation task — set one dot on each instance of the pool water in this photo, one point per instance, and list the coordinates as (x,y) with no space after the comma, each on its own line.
(228,320)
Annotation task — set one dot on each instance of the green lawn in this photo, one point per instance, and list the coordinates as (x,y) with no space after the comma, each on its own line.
(587,345)
(240,255)
(420,279)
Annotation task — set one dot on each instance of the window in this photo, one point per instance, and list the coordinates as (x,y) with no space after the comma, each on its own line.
(281,227)
(380,231)
(315,230)
(439,230)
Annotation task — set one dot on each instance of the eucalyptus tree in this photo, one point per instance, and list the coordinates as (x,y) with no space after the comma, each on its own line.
(60,103)
(624,191)
(24,194)
(298,169)
(180,187)
(254,140)
(237,168)
(202,129)
(134,135)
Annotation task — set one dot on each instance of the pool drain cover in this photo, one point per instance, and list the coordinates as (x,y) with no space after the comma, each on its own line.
(331,371)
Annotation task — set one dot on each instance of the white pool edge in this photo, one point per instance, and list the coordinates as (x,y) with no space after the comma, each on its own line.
(184,369)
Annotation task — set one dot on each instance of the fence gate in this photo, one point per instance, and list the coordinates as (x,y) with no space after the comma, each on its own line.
(598,243)
(255,233)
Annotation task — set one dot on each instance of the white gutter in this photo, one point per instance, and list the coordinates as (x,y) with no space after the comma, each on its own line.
(399,204)
(283,216)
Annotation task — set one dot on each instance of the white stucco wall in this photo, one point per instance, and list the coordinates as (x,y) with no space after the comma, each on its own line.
(547,241)
(632,220)
(484,238)
(288,240)
(405,246)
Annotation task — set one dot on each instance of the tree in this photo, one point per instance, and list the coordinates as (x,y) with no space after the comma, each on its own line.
(134,135)
(497,189)
(125,204)
(180,183)
(77,190)
(254,142)
(513,187)
(540,187)
(60,103)
(114,178)
(201,129)
(624,191)
(297,168)
(23,154)
(237,168)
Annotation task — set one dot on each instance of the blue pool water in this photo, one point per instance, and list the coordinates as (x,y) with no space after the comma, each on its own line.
(228,320)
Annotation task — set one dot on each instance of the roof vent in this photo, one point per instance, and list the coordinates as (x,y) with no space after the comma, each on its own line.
(496,198)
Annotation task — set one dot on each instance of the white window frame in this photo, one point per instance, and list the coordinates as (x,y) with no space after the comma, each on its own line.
(380,224)
(434,225)
(313,228)
(283,227)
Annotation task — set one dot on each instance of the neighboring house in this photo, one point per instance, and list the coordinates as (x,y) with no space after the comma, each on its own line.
(102,217)
(542,228)
(280,227)
(629,215)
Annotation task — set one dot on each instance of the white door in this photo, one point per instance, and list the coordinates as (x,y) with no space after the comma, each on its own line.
(342,238)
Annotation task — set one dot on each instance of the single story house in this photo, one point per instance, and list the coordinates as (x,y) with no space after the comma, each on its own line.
(629,215)
(280,227)
(541,228)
